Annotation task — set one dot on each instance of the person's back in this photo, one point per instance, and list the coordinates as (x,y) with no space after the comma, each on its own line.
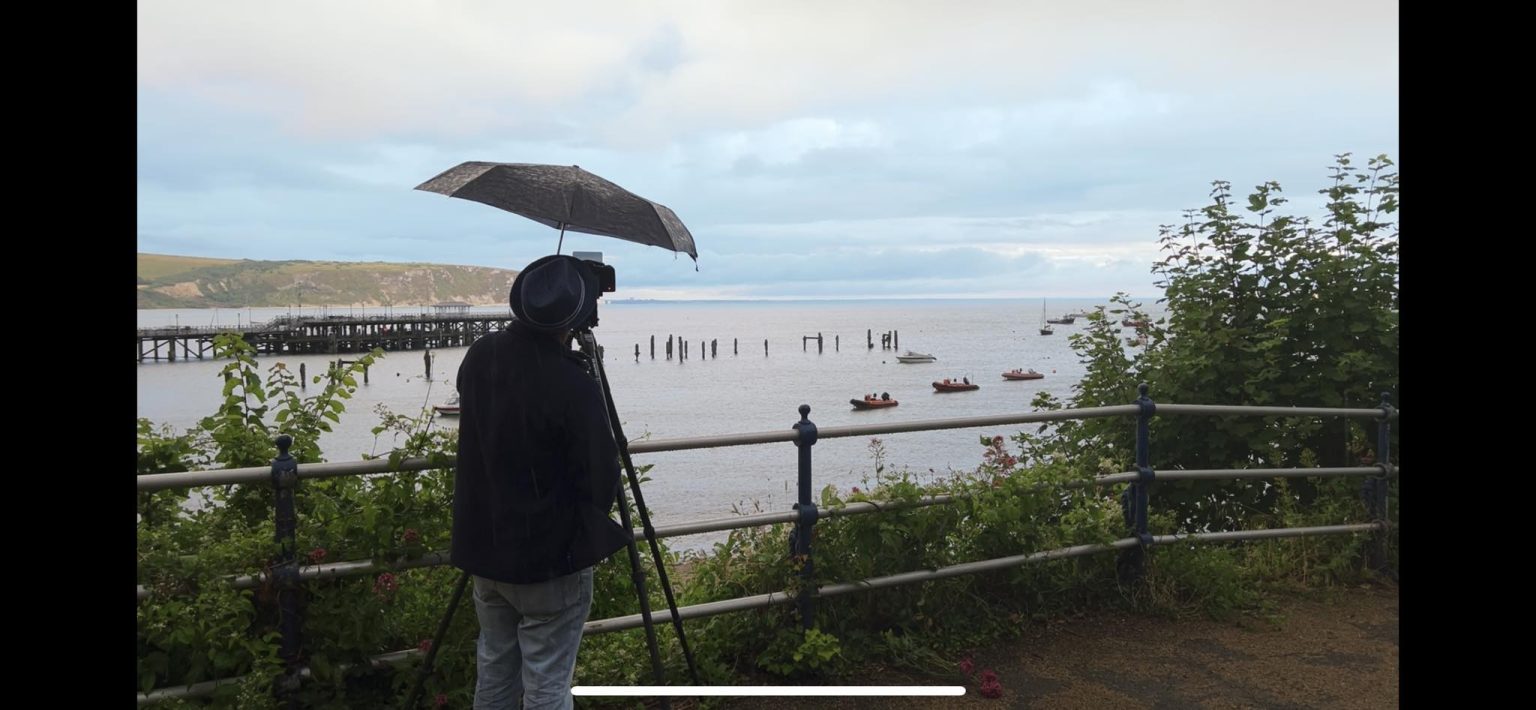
(535,458)
(537,473)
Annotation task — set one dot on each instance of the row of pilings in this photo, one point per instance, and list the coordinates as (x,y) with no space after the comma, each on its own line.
(676,347)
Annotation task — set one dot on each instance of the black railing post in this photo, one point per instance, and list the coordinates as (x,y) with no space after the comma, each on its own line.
(285,569)
(1133,561)
(1376,486)
(800,539)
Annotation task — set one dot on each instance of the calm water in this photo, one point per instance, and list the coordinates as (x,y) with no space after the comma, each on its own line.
(726,394)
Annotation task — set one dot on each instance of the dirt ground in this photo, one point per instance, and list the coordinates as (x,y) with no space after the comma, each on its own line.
(1335,649)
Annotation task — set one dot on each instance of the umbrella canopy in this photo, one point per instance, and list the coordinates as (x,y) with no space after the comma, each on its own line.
(567,198)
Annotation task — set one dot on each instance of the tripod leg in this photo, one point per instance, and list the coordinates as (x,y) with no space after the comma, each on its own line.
(645,522)
(437,640)
(637,575)
(661,567)
(589,346)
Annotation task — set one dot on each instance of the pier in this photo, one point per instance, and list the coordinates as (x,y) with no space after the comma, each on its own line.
(325,334)
(445,328)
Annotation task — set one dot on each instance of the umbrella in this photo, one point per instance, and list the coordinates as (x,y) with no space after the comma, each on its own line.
(567,198)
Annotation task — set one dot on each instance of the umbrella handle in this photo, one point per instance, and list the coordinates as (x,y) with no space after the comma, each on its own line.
(562,238)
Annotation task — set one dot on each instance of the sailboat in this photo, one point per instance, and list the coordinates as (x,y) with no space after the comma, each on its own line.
(1045,327)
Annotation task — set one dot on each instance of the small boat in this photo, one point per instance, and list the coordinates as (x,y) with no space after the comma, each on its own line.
(911,357)
(953,386)
(1128,323)
(1017,374)
(1064,320)
(868,402)
(448,409)
(1045,329)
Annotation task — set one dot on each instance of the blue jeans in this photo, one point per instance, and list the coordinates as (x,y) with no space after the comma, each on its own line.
(529,634)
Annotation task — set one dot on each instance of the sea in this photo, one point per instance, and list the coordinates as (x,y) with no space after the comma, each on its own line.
(739,388)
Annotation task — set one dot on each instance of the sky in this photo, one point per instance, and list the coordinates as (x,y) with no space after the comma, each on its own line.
(848,149)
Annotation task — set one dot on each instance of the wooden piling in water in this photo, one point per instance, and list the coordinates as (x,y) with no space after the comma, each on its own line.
(303,377)
(653,347)
(734,349)
(765,347)
(869,338)
(714,346)
(637,352)
(426,358)
(819,343)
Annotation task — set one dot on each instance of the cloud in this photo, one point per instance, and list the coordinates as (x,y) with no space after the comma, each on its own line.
(854,149)
(642,74)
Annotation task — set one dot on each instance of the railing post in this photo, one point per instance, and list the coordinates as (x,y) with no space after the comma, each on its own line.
(1376,486)
(800,539)
(1133,561)
(285,569)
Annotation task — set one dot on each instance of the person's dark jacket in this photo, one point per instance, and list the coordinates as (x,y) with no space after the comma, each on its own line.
(537,465)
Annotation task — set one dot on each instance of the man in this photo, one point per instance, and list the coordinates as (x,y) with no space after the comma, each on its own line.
(537,474)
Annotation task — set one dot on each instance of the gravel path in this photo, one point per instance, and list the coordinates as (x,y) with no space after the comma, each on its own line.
(1335,649)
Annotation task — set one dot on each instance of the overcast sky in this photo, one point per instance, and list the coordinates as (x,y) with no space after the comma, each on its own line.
(827,149)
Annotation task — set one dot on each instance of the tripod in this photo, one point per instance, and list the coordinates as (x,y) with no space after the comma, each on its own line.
(594,354)
(589,347)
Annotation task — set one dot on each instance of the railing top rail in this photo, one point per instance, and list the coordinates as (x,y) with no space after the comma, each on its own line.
(1224,409)
(768,437)
(162,481)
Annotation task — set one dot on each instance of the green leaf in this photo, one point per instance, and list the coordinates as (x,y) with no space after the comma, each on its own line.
(321,666)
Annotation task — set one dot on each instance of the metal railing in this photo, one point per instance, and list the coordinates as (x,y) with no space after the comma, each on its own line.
(286,574)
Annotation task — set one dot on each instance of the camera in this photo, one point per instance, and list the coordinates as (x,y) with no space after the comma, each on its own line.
(606,276)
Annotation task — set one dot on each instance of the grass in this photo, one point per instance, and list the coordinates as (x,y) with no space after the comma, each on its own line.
(154,267)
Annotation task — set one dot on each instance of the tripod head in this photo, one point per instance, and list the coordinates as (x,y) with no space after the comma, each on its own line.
(586,342)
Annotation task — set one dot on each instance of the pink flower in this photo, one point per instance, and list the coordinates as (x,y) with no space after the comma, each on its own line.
(988,676)
(385,585)
(410,537)
(991,690)
(317,555)
(440,701)
(425,646)
(967,666)
(855,489)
